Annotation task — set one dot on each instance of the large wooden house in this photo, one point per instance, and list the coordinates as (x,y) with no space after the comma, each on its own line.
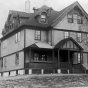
(46,41)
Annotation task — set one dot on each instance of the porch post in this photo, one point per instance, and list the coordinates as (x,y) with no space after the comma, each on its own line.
(68,57)
(53,61)
(30,70)
(58,59)
(58,66)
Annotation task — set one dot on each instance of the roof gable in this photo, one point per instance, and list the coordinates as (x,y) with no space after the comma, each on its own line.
(68,43)
(66,10)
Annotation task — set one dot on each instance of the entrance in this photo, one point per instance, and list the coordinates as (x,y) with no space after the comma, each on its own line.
(65,57)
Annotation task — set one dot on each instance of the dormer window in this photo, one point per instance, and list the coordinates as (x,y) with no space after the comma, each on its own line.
(43,18)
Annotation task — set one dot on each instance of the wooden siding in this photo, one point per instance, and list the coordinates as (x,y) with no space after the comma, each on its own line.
(10,65)
(12,46)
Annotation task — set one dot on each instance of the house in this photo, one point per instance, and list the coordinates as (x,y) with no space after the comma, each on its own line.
(46,41)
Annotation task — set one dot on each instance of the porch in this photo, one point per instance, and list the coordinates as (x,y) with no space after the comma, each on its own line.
(65,57)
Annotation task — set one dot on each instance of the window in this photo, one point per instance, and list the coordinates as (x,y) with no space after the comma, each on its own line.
(4,43)
(79,57)
(5,62)
(79,20)
(36,56)
(40,56)
(1,62)
(43,18)
(17,37)
(86,38)
(66,34)
(17,58)
(79,37)
(70,18)
(38,35)
(75,16)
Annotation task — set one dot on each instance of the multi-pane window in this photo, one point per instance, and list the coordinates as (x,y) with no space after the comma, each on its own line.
(66,34)
(70,18)
(38,35)
(79,37)
(17,58)
(5,62)
(1,62)
(86,38)
(43,18)
(79,57)
(17,37)
(4,43)
(79,20)
(40,57)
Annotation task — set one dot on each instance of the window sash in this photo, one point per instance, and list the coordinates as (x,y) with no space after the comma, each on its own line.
(70,18)
(79,58)
(17,58)
(79,37)
(5,62)
(79,20)
(40,57)
(66,34)
(37,35)
(19,36)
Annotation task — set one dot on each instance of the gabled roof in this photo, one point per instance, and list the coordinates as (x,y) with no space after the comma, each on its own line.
(62,42)
(21,14)
(66,10)
(54,16)
(40,45)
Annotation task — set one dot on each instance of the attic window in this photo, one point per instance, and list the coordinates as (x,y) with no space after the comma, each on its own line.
(70,18)
(43,18)
(79,20)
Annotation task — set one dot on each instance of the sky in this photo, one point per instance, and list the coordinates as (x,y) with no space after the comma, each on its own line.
(19,5)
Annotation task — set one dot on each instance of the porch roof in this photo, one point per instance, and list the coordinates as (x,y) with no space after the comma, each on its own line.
(62,42)
(40,45)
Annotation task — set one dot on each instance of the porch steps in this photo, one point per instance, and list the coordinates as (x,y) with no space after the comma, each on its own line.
(78,71)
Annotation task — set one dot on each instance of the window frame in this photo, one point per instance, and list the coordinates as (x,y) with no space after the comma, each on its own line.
(1,62)
(79,19)
(5,62)
(39,54)
(70,19)
(66,34)
(79,37)
(37,36)
(17,37)
(17,58)
(79,57)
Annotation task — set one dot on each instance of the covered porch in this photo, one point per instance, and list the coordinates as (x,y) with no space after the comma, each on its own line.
(40,58)
(65,57)
(70,56)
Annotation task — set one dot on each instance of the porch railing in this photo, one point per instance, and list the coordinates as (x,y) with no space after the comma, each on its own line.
(63,64)
(83,69)
(42,64)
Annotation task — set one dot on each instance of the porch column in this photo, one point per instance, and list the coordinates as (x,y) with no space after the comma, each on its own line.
(29,55)
(58,66)
(53,61)
(58,59)
(30,70)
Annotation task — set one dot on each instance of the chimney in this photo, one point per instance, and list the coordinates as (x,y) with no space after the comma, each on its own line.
(27,6)
(35,9)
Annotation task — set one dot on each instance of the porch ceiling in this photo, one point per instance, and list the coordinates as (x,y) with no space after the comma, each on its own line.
(62,42)
(41,45)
